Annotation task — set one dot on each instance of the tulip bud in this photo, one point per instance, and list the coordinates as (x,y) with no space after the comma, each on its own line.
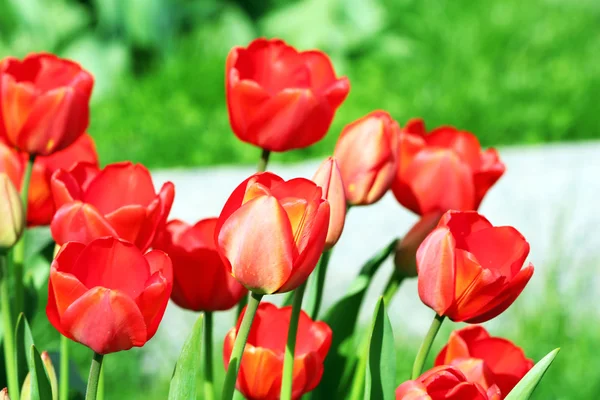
(329,178)
(12,219)
(26,389)
(405,258)
(4,394)
(366,155)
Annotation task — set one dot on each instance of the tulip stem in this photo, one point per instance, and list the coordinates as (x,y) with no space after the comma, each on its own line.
(426,346)
(264,160)
(391,288)
(100,392)
(290,348)
(64,368)
(318,278)
(94,377)
(19,249)
(209,392)
(9,338)
(237,352)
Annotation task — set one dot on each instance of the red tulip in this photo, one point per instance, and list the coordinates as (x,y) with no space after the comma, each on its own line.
(271,233)
(470,270)
(262,361)
(107,295)
(366,155)
(501,362)
(200,280)
(40,207)
(329,178)
(443,170)
(44,102)
(118,201)
(445,383)
(281,99)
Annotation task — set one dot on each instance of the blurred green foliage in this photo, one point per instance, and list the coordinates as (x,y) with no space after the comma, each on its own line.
(510,71)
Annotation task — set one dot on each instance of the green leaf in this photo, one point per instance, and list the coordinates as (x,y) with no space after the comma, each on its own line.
(40,384)
(527,385)
(342,318)
(23,343)
(183,382)
(380,381)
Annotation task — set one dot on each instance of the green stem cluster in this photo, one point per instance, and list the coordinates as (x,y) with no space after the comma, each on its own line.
(9,335)
(426,346)
(208,376)
(290,348)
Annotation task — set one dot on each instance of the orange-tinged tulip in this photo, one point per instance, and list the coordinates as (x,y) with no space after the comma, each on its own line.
(443,170)
(329,178)
(445,383)
(40,207)
(272,232)
(485,359)
(12,218)
(44,102)
(279,98)
(470,270)
(366,155)
(108,295)
(262,361)
(201,282)
(118,201)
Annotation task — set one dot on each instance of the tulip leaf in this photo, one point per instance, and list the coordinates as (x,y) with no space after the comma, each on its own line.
(527,385)
(23,343)
(183,382)
(342,318)
(380,379)
(40,384)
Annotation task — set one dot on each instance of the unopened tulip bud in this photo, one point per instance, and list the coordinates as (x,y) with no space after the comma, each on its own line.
(329,178)
(4,394)
(366,156)
(12,219)
(50,372)
(405,258)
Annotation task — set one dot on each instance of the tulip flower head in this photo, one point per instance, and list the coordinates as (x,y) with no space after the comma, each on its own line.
(447,383)
(12,218)
(118,201)
(366,155)
(44,102)
(201,282)
(470,270)
(272,232)
(40,207)
(279,98)
(108,295)
(262,362)
(329,178)
(443,170)
(484,359)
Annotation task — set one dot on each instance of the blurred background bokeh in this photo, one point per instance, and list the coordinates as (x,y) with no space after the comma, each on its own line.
(513,72)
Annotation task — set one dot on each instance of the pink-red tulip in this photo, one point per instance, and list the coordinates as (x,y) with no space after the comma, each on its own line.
(366,155)
(108,295)
(445,383)
(279,98)
(118,201)
(40,207)
(200,280)
(272,232)
(470,270)
(443,170)
(12,218)
(262,361)
(44,102)
(329,178)
(485,359)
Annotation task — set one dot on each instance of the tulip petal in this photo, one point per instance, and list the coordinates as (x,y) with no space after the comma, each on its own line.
(257,242)
(460,343)
(329,178)
(307,373)
(412,390)
(436,269)
(260,373)
(106,321)
(152,302)
(127,221)
(79,222)
(504,300)
(245,99)
(66,289)
(156,215)
(463,224)
(466,391)
(463,143)
(17,101)
(490,170)
(113,264)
